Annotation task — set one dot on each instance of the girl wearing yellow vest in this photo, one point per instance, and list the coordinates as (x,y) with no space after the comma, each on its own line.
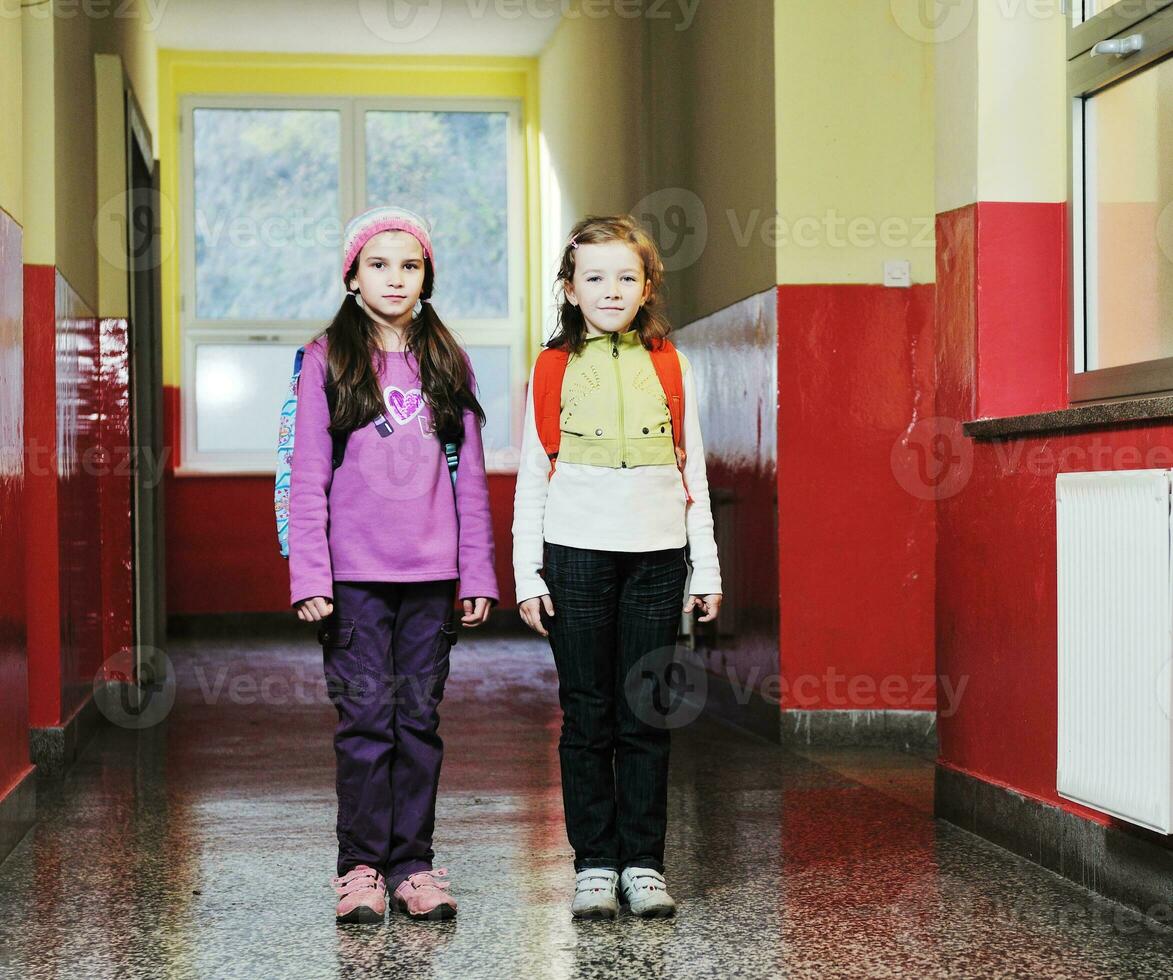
(612,503)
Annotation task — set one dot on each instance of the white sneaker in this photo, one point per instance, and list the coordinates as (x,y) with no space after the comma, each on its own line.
(645,891)
(594,894)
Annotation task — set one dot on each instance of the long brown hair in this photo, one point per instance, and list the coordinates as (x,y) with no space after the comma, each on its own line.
(353,347)
(650,322)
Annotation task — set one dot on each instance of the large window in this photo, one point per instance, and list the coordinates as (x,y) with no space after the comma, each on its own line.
(268,185)
(1120,79)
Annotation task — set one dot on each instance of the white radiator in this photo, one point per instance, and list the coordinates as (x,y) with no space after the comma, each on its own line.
(1116,643)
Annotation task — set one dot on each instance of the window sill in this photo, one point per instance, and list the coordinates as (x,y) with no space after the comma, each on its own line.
(1092,415)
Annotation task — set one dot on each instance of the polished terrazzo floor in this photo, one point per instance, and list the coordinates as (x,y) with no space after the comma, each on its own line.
(202,848)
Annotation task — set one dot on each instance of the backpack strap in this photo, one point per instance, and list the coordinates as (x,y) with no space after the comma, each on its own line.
(667,364)
(337,439)
(549,371)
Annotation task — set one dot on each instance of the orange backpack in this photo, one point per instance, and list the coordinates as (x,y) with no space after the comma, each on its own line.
(550,371)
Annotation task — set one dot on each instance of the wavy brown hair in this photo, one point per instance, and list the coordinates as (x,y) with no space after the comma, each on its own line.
(650,322)
(353,348)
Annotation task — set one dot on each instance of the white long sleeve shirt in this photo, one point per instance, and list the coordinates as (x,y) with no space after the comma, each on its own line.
(641,508)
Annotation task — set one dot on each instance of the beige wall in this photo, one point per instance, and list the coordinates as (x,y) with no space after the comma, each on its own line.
(589,95)
(956,118)
(133,39)
(590,87)
(855,142)
(11,142)
(1001,106)
(109,229)
(1022,103)
(644,114)
(75,155)
(779,141)
(710,98)
(39,198)
(57,144)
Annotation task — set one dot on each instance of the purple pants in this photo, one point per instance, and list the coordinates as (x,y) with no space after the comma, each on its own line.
(385,650)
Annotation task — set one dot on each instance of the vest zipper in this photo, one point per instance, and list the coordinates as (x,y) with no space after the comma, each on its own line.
(619,387)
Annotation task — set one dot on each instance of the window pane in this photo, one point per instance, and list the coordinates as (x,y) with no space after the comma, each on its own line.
(452,168)
(1085,10)
(1129,208)
(492,368)
(267,221)
(1128,11)
(240,389)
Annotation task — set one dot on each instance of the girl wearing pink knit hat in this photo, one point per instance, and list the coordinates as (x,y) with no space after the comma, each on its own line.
(388,525)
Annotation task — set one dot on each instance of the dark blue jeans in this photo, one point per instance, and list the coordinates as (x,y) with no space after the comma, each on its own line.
(615,624)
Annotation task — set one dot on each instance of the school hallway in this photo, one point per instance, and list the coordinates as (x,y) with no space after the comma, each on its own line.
(202,847)
(918,255)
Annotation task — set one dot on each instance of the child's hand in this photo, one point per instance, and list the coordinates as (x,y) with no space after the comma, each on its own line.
(711,604)
(312,610)
(476,611)
(531,613)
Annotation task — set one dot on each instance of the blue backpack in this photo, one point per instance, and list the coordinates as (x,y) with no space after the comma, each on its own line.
(285,450)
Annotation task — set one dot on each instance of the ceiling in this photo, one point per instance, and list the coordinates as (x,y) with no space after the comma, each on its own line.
(475,27)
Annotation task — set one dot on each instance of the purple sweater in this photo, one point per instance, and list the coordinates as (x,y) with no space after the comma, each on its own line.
(388,513)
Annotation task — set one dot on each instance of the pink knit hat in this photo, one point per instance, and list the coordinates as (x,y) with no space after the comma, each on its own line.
(361,228)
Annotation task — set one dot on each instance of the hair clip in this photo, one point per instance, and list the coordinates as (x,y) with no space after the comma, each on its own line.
(574,241)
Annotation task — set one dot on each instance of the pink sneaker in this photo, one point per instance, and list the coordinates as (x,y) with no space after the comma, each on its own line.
(362,895)
(424,895)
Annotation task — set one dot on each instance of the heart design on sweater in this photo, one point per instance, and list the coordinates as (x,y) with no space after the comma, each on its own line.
(403,405)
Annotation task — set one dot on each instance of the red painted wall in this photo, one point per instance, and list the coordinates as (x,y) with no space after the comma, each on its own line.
(79,407)
(996,605)
(1021,307)
(14,749)
(955,344)
(77,506)
(42,559)
(114,468)
(221,541)
(856,533)
(221,546)
(1001,350)
(1002,266)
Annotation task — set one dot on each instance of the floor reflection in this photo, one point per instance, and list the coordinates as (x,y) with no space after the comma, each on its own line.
(203,848)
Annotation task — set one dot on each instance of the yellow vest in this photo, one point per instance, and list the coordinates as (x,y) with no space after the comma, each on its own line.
(614,412)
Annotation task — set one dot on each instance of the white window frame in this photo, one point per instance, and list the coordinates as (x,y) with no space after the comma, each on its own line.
(509,331)
(1087,76)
